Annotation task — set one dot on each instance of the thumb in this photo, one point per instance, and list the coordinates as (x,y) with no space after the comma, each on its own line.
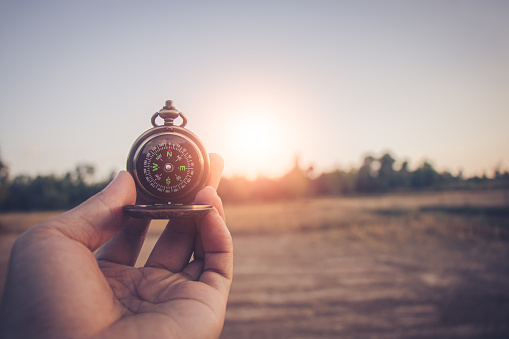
(96,220)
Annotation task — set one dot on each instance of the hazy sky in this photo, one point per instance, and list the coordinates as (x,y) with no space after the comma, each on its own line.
(259,81)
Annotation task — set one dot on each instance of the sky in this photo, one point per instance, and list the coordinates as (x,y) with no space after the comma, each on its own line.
(259,81)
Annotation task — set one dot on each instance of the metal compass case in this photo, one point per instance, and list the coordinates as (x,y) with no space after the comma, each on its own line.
(169,165)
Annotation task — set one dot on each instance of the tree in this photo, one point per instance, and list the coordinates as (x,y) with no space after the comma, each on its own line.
(296,183)
(386,177)
(424,176)
(366,181)
(51,192)
(403,176)
(329,183)
(4,178)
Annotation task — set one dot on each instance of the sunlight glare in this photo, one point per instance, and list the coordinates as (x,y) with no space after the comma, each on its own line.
(255,145)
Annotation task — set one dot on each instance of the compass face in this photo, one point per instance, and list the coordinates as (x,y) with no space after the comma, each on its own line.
(169,167)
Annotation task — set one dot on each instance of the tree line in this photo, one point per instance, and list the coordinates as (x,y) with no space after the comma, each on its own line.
(47,192)
(375,175)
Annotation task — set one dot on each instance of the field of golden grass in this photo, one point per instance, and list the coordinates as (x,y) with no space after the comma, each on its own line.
(393,266)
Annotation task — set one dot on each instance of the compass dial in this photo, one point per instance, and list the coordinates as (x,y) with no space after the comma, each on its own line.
(169,167)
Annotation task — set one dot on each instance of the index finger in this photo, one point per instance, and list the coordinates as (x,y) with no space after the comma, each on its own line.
(217,247)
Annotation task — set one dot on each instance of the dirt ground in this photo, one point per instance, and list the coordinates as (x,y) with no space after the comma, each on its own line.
(359,268)
(368,268)
(310,285)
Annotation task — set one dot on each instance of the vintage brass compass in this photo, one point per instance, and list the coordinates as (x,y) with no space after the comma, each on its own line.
(169,165)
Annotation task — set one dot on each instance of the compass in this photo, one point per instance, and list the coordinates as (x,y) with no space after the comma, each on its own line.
(169,165)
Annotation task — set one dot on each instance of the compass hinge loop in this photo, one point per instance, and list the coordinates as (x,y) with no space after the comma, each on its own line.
(169,113)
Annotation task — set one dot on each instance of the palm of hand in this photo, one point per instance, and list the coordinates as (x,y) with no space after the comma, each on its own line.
(160,301)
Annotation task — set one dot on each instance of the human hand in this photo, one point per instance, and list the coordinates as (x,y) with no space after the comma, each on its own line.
(56,288)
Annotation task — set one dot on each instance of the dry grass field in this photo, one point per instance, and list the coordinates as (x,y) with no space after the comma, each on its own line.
(428,265)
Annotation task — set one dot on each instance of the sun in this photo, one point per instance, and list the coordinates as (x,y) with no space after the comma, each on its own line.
(254,145)
(253,139)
